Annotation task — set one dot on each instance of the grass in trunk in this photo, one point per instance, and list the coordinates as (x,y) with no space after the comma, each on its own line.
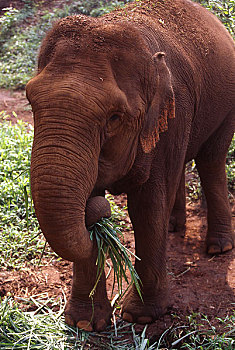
(107,233)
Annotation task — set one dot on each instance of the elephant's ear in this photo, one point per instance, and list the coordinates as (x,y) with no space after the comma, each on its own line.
(161,107)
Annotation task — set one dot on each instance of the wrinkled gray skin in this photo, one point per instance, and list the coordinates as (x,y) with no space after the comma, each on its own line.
(103,94)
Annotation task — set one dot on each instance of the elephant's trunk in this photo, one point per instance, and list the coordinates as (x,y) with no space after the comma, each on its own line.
(63,173)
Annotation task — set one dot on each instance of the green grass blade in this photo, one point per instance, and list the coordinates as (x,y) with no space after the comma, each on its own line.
(108,243)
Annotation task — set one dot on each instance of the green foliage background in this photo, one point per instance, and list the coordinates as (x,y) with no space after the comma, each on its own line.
(20,242)
(224,10)
(21,32)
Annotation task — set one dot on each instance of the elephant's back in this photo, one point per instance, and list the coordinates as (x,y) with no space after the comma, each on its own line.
(200,54)
(182,23)
(191,36)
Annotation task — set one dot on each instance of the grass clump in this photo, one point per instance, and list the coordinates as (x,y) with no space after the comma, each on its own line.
(199,333)
(40,329)
(44,328)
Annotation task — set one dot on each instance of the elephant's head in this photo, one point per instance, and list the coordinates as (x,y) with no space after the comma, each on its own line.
(99,94)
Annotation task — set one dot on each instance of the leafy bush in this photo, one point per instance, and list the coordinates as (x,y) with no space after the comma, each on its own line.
(8,23)
(224,10)
(19,51)
(19,240)
(230,166)
(19,43)
(95,8)
(193,183)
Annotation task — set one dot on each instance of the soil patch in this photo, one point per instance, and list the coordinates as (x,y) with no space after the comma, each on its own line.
(15,105)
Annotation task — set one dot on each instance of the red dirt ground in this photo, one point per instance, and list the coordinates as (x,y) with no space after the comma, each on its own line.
(198,282)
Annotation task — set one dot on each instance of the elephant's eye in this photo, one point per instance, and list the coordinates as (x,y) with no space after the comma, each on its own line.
(114,117)
(114,123)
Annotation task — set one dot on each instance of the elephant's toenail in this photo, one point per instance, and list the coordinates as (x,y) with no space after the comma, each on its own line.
(127,317)
(101,325)
(69,320)
(227,247)
(214,249)
(85,325)
(144,319)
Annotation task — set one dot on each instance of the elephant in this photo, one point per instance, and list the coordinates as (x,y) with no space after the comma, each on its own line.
(121,103)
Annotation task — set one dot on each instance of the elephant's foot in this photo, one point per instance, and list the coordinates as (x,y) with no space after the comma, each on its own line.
(219,244)
(89,316)
(136,311)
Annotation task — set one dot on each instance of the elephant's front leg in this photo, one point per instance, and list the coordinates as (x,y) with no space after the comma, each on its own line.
(149,215)
(81,310)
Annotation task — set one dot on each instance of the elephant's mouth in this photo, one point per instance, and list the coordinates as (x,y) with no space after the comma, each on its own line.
(97,207)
